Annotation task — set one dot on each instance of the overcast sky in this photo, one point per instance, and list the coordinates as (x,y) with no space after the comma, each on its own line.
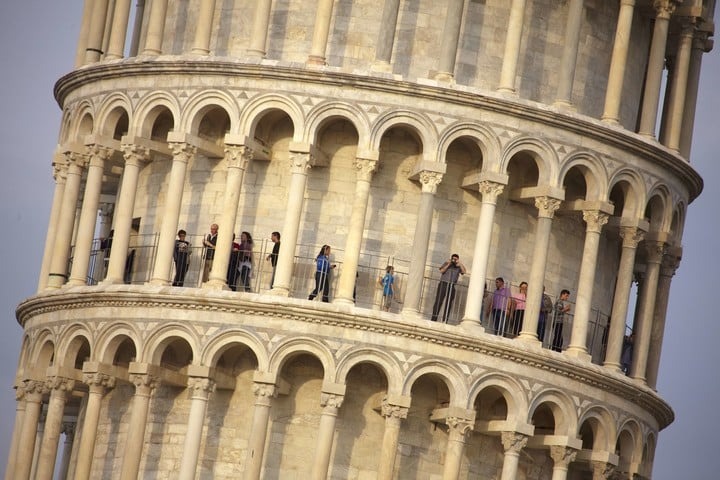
(38,39)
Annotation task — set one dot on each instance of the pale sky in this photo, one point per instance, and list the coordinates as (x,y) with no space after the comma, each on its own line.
(38,41)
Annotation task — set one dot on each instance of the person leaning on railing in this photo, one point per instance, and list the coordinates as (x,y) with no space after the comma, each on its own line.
(450,273)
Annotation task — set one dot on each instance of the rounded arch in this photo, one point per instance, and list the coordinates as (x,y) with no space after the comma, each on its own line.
(658,210)
(385,362)
(303,345)
(593,171)
(628,445)
(630,185)
(417,122)
(482,136)
(110,339)
(83,122)
(677,224)
(217,345)
(110,114)
(326,111)
(70,344)
(541,152)
(452,378)
(602,424)
(149,109)
(562,408)
(44,351)
(260,105)
(162,337)
(204,102)
(509,388)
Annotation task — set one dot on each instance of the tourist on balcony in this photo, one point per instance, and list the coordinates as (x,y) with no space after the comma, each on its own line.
(387,283)
(518,306)
(209,243)
(322,274)
(181,257)
(546,308)
(233,265)
(275,238)
(246,257)
(451,271)
(500,307)
(562,307)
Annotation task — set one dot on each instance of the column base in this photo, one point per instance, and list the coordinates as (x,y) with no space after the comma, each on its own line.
(74,282)
(530,339)
(200,51)
(472,325)
(507,91)
(445,77)
(565,105)
(343,301)
(411,313)
(384,67)
(55,281)
(158,282)
(579,353)
(215,284)
(315,61)
(610,120)
(279,291)
(614,368)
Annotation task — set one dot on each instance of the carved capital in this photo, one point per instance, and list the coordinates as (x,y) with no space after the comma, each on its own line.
(594,220)
(490,191)
(98,379)
(461,426)
(68,428)
(388,410)
(664,8)
(76,162)
(134,154)
(19,392)
(365,168)
(181,151)
(300,162)
(602,469)
(264,390)
(562,456)
(34,388)
(238,156)
(632,236)
(430,181)
(144,381)
(60,171)
(60,384)
(331,400)
(513,441)
(547,206)
(98,154)
(669,265)
(201,386)
(655,251)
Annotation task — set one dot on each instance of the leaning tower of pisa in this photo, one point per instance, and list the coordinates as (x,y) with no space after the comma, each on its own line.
(544,142)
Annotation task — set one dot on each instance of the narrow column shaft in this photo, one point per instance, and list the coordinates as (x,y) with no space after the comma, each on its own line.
(118,30)
(156,27)
(511,55)
(17,432)
(60,178)
(386,35)
(264,395)
(93,50)
(26,446)
(631,237)
(490,192)
(68,429)
(546,211)
(326,432)
(418,259)
(513,443)
(646,310)
(394,415)
(346,284)
(124,213)
(450,39)
(261,21)
(458,431)
(562,457)
(656,62)
(61,249)
(97,383)
(84,32)
(667,269)
(201,389)
(88,215)
(53,426)
(300,164)
(578,340)
(618,62)
(679,89)
(144,386)
(182,152)
(602,470)
(688,123)
(203,28)
(237,158)
(570,50)
(320,32)
(137,28)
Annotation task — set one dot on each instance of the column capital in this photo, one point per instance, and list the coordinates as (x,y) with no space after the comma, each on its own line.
(632,236)
(331,400)
(201,386)
(34,389)
(595,219)
(602,469)
(547,206)
(513,441)
(238,156)
(664,8)
(144,382)
(134,154)
(182,151)
(670,263)
(300,162)
(562,456)
(76,161)
(490,191)
(19,392)
(68,428)
(60,170)
(266,390)
(98,154)
(365,167)
(629,3)
(389,410)
(655,251)
(430,181)
(60,384)
(97,379)
(459,425)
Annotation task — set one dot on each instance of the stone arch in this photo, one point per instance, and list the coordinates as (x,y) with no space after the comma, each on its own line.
(629,184)
(83,122)
(561,407)
(540,151)
(452,378)
(215,348)
(65,126)
(150,108)
(23,359)
(628,444)
(109,340)
(677,224)
(648,454)
(203,103)
(485,139)
(70,344)
(158,340)
(511,391)
(419,123)
(593,171)
(110,115)
(44,352)
(260,105)
(658,210)
(602,424)
(385,362)
(326,111)
(302,345)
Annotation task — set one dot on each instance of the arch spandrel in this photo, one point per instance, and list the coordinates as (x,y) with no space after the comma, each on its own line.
(453,379)
(326,111)
(258,106)
(217,345)
(385,363)
(287,349)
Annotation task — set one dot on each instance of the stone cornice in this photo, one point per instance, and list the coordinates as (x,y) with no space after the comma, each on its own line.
(466,96)
(269,306)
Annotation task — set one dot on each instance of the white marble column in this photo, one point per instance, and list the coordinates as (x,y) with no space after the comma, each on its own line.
(93,50)
(320,32)
(200,389)
(135,440)
(203,27)
(562,458)
(66,223)
(430,181)
(450,39)
(646,309)
(678,91)
(670,263)
(458,431)
(490,192)
(60,175)
(34,391)
(156,27)
(701,44)
(237,157)
(631,236)
(386,36)
(656,63)
(264,395)
(88,214)
(59,388)
(594,220)
(17,431)
(547,206)
(84,32)
(300,163)
(182,153)
(511,55)
(118,30)
(618,63)
(331,403)
(513,443)
(346,284)
(98,384)
(394,415)
(68,429)
(134,156)
(137,28)
(568,63)
(261,21)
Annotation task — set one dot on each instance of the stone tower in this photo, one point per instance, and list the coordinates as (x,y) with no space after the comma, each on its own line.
(493,152)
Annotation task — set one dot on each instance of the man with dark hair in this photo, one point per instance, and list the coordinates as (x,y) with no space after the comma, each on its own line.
(275,238)
(501,302)
(450,273)
(562,306)
(209,243)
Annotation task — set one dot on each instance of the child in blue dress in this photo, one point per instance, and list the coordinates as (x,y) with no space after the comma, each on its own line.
(387,282)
